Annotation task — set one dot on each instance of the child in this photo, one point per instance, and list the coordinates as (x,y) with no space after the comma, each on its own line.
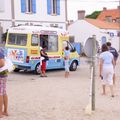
(66,58)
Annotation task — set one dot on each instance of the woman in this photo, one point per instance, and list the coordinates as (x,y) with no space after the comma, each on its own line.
(106,69)
(3,79)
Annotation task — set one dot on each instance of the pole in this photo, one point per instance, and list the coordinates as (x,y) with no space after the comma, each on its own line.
(119,26)
(93,78)
(66,15)
(12,13)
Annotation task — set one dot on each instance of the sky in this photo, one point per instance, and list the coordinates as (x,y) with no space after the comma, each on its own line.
(89,6)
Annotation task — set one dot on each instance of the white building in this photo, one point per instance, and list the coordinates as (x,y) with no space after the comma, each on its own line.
(82,29)
(36,12)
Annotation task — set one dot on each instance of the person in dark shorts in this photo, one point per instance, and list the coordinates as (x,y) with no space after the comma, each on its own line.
(115,54)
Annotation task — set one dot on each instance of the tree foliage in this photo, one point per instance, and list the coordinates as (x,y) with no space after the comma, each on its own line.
(94,15)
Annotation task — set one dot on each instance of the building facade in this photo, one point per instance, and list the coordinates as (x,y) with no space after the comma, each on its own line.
(32,12)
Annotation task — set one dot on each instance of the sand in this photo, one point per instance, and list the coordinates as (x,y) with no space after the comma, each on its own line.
(58,98)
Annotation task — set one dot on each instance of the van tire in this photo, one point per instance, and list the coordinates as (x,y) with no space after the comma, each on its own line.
(37,69)
(73,66)
(16,70)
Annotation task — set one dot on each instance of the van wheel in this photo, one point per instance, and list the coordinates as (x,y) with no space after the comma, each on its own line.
(16,70)
(37,69)
(73,66)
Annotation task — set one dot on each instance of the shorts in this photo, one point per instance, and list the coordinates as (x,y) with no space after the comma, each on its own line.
(67,65)
(43,66)
(3,86)
(107,74)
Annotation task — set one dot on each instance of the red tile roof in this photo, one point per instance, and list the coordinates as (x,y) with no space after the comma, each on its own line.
(103,24)
(114,13)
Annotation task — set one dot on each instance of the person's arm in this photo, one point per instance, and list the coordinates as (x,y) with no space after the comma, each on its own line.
(100,67)
(113,62)
(2,62)
(42,53)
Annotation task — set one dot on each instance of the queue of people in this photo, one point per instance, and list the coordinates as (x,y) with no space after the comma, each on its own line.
(107,58)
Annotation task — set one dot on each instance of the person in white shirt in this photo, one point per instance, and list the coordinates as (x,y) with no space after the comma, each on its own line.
(106,69)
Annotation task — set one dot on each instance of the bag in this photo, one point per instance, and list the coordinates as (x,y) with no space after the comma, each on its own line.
(9,65)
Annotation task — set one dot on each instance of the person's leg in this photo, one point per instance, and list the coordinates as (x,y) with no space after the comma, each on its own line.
(112,91)
(65,74)
(5,98)
(1,106)
(5,102)
(114,79)
(66,68)
(1,97)
(44,69)
(104,89)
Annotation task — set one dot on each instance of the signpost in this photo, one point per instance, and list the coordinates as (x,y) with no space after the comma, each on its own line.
(90,51)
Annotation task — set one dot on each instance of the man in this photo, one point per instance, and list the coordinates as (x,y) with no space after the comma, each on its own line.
(115,54)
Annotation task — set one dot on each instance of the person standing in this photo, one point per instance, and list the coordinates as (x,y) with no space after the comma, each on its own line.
(3,79)
(106,69)
(115,54)
(66,59)
(45,58)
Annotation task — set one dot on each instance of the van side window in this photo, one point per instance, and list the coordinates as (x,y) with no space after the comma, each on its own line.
(17,39)
(51,41)
(66,43)
(34,40)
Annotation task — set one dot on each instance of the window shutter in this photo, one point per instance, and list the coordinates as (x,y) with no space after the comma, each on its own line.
(58,7)
(34,6)
(23,6)
(49,7)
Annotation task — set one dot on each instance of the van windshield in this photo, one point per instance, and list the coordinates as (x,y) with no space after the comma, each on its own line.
(17,39)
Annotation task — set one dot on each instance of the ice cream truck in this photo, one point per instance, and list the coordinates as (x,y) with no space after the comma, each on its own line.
(23,45)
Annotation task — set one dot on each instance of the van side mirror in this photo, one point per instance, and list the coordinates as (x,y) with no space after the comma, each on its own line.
(73,49)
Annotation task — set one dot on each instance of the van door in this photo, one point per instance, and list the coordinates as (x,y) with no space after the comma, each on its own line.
(55,56)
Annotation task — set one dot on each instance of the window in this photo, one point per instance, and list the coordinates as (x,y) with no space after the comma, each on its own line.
(17,39)
(2,5)
(34,40)
(28,6)
(66,43)
(108,18)
(53,7)
(51,41)
(118,20)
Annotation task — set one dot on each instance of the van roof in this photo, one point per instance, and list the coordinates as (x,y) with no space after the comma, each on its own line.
(36,30)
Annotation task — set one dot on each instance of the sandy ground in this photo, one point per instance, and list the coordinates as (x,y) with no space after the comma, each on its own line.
(58,98)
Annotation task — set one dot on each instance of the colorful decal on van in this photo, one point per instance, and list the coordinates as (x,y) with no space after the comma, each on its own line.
(16,55)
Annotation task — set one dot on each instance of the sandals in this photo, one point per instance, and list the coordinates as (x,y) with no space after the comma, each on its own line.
(43,76)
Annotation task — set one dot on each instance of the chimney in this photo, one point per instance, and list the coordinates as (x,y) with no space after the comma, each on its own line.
(104,8)
(118,7)
(81,14)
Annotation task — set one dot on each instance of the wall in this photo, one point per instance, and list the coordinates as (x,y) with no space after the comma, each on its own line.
(82,30)
(40,17)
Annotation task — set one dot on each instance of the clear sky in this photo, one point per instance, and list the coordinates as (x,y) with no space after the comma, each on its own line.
(89,6)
